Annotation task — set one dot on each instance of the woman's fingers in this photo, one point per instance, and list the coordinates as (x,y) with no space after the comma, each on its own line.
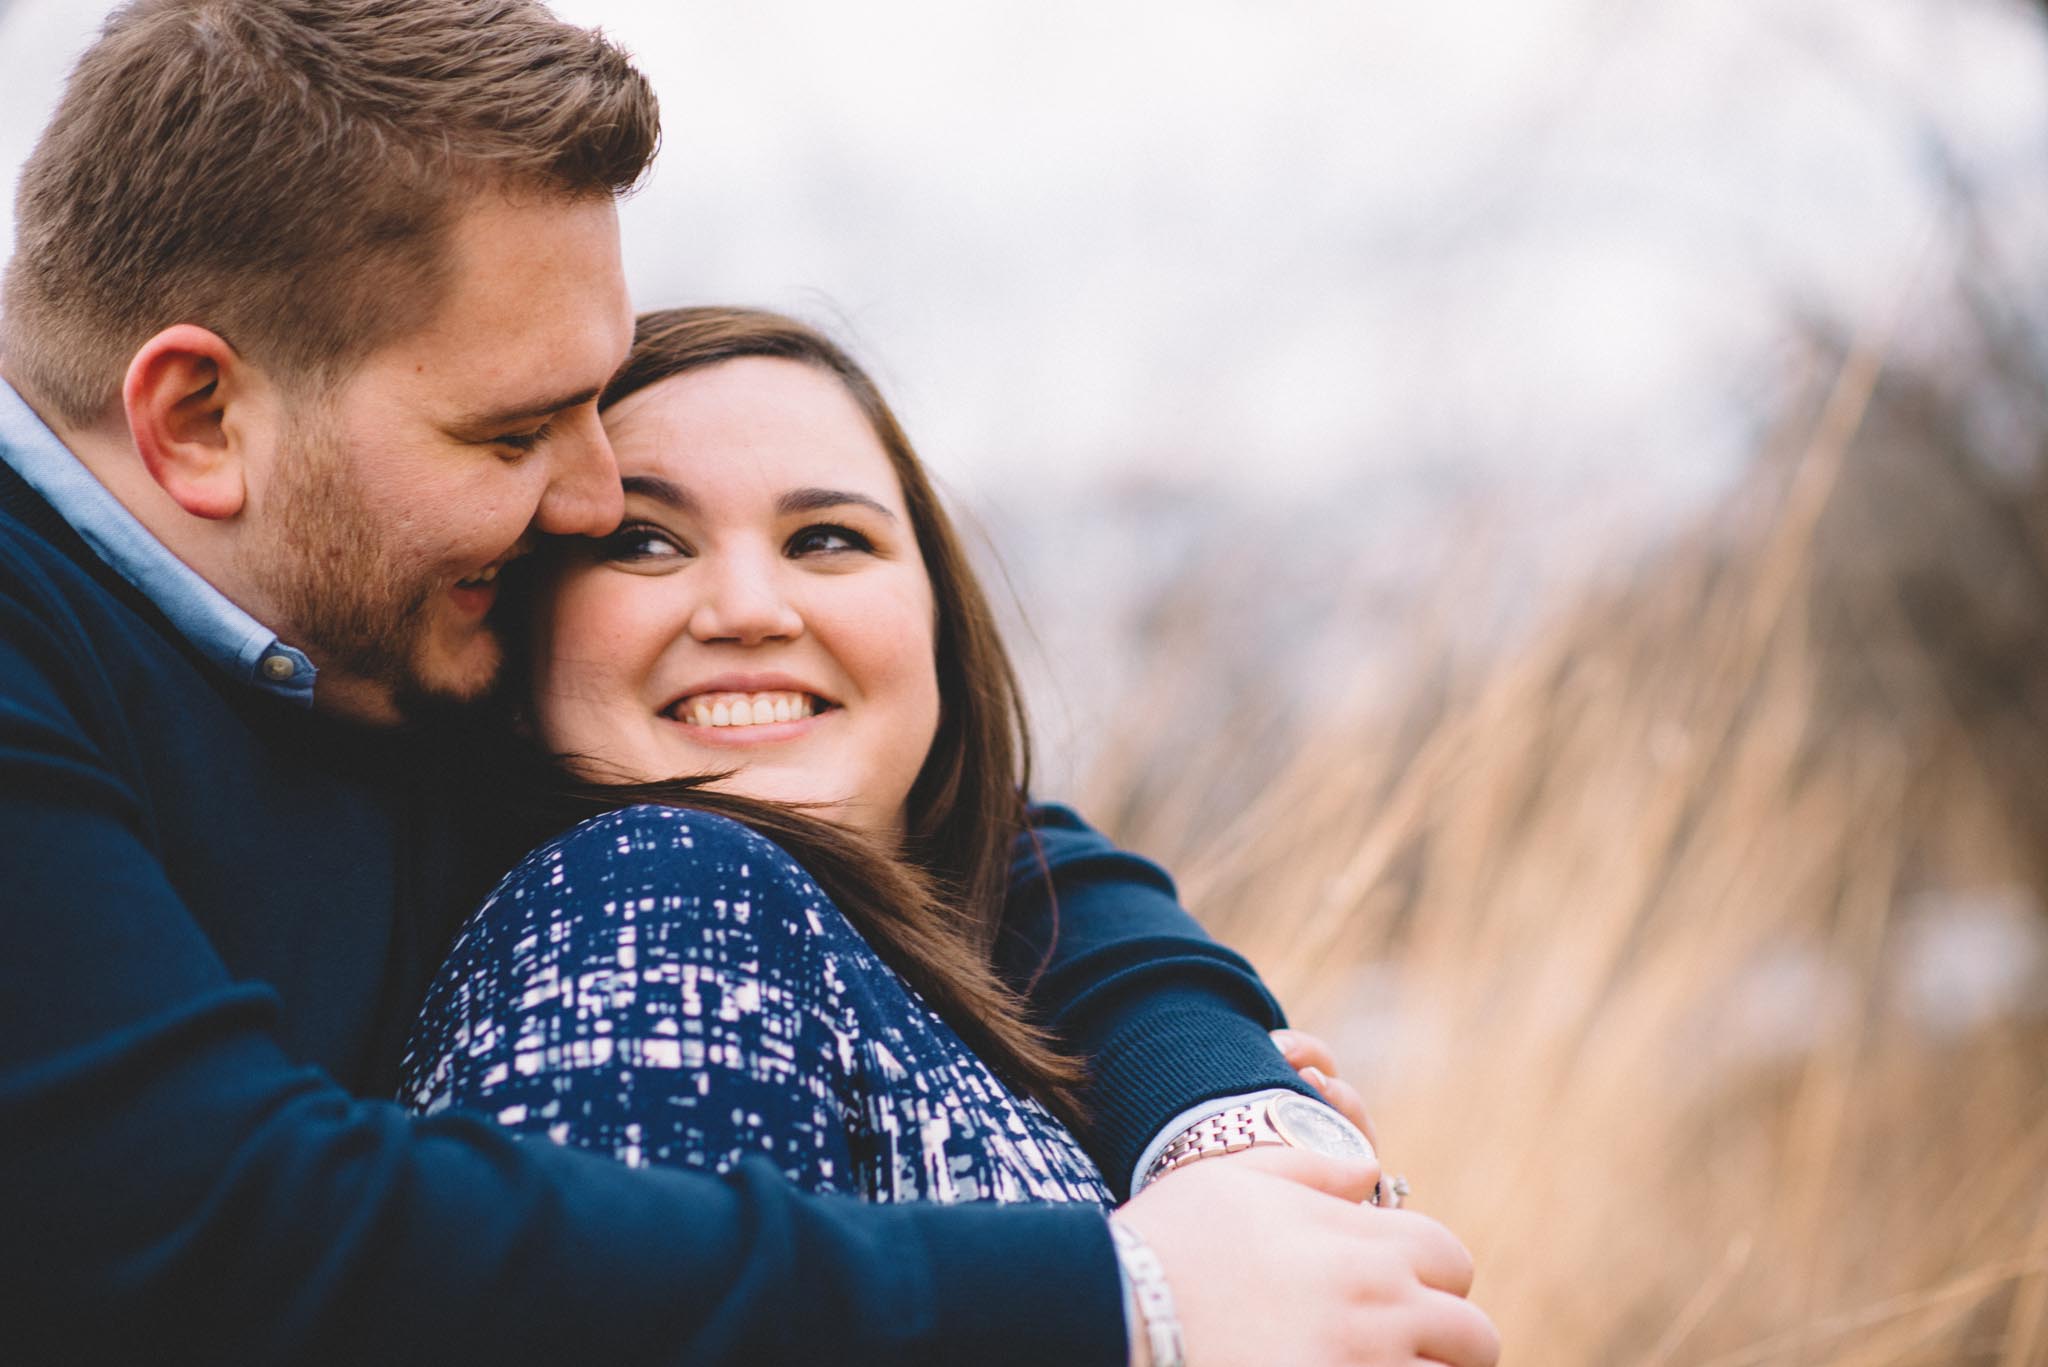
(1351,1179)
(1453,1331)
(1441,1263)
(1267,1271)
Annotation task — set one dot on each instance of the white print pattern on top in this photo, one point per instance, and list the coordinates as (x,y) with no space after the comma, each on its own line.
(669,987)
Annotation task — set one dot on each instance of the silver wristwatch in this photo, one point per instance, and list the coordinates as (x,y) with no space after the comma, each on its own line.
(1282,1118)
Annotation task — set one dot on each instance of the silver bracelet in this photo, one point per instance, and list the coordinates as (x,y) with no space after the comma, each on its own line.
(1155,1301)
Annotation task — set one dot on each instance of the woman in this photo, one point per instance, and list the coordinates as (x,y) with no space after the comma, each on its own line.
(787,607)
(785,615)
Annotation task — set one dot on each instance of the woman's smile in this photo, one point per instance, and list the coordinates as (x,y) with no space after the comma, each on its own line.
(744,710)
(757,708)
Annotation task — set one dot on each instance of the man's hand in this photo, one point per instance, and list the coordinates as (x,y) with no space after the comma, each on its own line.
(1277,1262)
(1309,1056)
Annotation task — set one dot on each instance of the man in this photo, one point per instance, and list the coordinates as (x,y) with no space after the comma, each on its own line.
(309,311)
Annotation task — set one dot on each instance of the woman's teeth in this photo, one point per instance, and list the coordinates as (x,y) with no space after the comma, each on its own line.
(481,577)
(744,709)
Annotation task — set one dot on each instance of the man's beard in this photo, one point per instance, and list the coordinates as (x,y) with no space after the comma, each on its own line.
(352,602)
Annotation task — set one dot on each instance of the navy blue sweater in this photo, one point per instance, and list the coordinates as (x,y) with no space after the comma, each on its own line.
(219,912)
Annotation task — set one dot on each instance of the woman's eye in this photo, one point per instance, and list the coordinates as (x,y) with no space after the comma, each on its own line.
(825,539)
(638,543)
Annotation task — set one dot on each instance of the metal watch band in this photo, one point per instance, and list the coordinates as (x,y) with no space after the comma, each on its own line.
(1230,1131)
(1155,1301)
(1284,1118)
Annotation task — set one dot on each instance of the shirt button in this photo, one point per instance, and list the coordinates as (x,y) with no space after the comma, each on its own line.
(278,668)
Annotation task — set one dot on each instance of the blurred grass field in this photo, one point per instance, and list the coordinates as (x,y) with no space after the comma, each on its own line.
(1689,946)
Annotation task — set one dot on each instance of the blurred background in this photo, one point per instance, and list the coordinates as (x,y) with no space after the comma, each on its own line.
(1537,511)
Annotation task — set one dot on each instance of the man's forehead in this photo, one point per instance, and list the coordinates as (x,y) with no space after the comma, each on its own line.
(533,316)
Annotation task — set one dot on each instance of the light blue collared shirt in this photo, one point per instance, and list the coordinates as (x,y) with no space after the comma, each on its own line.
(239,644)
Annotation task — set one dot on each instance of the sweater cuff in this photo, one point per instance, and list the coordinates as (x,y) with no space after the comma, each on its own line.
(1025,1285)
(1168,1055)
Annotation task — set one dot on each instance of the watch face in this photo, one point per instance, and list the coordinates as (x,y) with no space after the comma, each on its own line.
(1313,1126)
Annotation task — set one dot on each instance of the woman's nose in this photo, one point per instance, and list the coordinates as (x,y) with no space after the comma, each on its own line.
(744,602)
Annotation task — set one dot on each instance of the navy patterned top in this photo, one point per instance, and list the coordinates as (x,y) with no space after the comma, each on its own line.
(669,987)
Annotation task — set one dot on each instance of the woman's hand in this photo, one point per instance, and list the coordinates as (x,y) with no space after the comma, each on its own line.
(1279,1262)
(1309,1056)
(1273,1257)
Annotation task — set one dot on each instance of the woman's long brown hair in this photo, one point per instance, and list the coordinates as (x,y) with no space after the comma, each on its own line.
(933,908)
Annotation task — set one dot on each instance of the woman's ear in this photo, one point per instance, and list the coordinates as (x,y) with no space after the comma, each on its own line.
(177,396)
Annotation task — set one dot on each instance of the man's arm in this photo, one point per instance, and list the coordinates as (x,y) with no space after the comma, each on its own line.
(173,1187)
(1166,1017)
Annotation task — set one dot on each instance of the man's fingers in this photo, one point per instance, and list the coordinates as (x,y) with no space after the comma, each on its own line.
(1303,1050)
(1455,1332)
(1311,1057)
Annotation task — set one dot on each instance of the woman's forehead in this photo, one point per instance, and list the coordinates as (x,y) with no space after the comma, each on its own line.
(782,422)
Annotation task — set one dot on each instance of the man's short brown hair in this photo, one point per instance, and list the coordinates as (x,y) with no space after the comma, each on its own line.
(283,172)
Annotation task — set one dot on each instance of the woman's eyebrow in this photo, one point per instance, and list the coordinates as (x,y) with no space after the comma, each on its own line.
(661,491)
(817,500)
(807,500)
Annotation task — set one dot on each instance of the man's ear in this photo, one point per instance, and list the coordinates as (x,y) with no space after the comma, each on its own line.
(178,394)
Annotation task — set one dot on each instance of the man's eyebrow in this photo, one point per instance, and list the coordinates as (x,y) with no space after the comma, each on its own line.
(817,500)
(661,491)
(526,412)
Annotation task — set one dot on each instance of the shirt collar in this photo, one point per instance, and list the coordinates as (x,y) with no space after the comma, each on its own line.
(230,637)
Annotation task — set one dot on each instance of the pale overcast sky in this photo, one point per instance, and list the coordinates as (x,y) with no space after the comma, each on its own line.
(1285,243)
(1134,268)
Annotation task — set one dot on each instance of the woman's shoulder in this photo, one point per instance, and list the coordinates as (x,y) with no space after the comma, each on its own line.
(650,841)
(649,828)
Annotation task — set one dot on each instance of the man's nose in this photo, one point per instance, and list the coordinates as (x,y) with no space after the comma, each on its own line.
(583,497)
(745,601)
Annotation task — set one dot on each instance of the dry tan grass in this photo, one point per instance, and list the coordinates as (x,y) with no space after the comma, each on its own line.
(1613,930)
